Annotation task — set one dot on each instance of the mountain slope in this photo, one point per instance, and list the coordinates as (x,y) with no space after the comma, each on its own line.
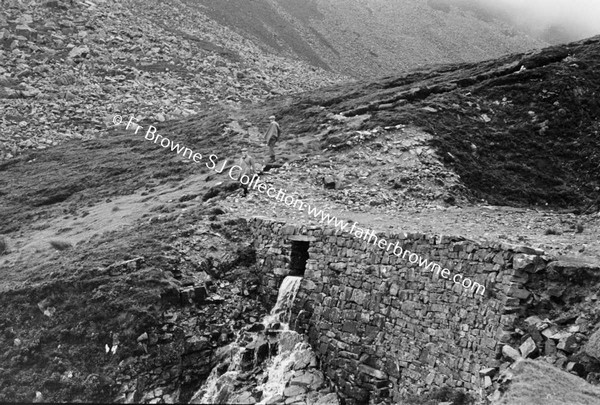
(519,130)
(369,38)
(67,67)
(128,266)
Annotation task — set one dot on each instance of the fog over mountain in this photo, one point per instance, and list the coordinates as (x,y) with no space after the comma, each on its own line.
(549,20)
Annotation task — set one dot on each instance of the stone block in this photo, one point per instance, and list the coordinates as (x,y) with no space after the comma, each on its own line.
(308,284)
(338,266)
(281,271)
(26,31)
(511,353)
(498,259)
(529,250)
(200,293)
(514,291)
(592,347)
(288,230)
(576,368)
(528,263)
(528,348)
(487,372)
(350,327)
(294,390)
(569,344)
(378,374)
(533,320)
(549,347)
(430,378)
(196,344)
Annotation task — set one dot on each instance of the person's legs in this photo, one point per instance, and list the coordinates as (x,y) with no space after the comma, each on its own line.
(272,151)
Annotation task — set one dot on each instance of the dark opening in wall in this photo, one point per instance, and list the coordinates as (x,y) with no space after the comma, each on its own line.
(298,258)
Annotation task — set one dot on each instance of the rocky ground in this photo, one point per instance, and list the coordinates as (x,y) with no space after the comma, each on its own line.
(131,317)
(125,267)
(68,67)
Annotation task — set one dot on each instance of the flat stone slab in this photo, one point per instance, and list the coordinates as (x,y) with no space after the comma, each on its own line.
(301,238)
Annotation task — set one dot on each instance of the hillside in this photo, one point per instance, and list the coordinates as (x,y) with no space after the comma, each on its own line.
(68,67)
(370,38)
(127,269)
(519,130)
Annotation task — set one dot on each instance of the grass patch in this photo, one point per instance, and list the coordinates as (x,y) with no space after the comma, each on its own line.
(539,383)
(446,394)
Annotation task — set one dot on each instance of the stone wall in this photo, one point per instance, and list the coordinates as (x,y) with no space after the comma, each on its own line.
(383,327)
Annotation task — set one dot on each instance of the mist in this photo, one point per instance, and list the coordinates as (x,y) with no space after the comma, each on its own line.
(550,20)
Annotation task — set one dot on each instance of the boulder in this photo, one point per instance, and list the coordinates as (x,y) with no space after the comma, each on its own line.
(551,331)
(329,182)
(576,368)
(528,348)
(592,347)
(196,344)
(305,359)
(24,19)
(200,293)
(255,353)
(79,52)
(329,399)
(244,398)
(380,375)
(511,353)
(25,31)
(294,390)
(549,347)
(528,263)
(533,320)
(487,372)
(569,344)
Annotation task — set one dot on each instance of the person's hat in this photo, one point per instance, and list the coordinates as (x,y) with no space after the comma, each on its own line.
(272,117)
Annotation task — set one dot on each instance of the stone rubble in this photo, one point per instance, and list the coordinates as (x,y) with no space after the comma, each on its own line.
(68,67)
(564,340)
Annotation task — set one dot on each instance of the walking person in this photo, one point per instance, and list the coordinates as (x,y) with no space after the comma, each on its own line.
(248,168)
(271,137)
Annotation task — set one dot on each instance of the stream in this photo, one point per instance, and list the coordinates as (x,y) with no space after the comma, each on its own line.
(268,363)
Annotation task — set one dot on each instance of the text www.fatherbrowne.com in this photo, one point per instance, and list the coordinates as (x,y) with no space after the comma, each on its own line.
(292,201)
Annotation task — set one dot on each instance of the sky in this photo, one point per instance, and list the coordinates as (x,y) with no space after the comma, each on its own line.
(580,17)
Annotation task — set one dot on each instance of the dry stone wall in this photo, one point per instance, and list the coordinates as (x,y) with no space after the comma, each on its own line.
(383,327)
